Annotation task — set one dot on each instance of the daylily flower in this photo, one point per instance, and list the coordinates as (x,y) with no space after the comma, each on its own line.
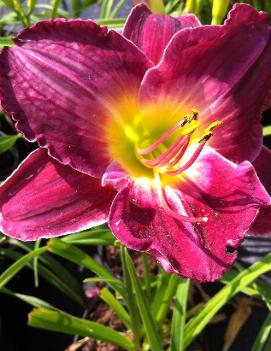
(153,131)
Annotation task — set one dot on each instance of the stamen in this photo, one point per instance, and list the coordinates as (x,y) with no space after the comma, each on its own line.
(168,161)
(168,155)
(203,140)
(180,154)
(189,163)
(158,142)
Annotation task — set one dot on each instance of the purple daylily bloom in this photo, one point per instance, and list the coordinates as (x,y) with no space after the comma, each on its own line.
(154,131)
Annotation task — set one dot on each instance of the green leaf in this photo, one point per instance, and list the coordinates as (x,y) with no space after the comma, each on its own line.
(246,277)
(117,8)
(62,322)
(6,41)
(258,288)
(264,333)
(131,301)
(7,141)
(150,326)
(111,22)
(55,5)
(30,300)
(106,8)
(110,299)
(50,276)
(162,283)
(31,5)
(12,270)
(55,273)
(167,299)
(91,237)
(267,131)
(35,264)
(179,316)
(79,257)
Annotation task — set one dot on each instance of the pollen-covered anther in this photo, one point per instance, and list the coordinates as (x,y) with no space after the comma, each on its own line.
(208,132)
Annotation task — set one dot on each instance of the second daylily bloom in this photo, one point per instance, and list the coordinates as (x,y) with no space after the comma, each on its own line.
(153,131)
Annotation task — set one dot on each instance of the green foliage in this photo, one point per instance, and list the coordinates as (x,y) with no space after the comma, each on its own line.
(7,141)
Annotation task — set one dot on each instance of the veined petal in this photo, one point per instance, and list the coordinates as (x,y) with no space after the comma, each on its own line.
(225,73)
(152,32)
(262,164)
(228,195)
(62,80)
(44,198)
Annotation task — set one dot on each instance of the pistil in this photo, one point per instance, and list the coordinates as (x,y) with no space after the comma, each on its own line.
(168,210)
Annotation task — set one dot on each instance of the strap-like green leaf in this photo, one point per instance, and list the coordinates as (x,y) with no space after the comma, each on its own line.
(62,322)
(74,254)
(12,270)
(246,277)
(151,329)
(7,141)
(179,316)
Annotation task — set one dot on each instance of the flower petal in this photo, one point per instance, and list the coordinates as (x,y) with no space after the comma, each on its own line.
(262,164)
(44,198)
(60,83)
(115,177)
(142,28)
(225,73)
(227,194)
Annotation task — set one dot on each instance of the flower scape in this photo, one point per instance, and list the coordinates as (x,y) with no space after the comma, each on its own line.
(155,130)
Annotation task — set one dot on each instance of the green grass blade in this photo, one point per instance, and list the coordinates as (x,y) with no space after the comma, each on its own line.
(12,270)
(258,288)
(62,322)
(6,41)
(117,8)
(55,273)
(162,283)
(179,316)
(106,8)
(263,335)
(31,5)
(35,264)
(167,299)
(58,282)
(267,131)
(131,302)
(246,277)
(30,300)
(7,141)
(55,5)
(110,299)
(150,326)
(91,237)
(79,257)
(111,22)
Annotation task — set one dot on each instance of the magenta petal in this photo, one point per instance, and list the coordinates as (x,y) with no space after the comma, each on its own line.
(262,164)
(227,194)
(225,73)
(44,198)
(61,82)
(115,177)
(152,32)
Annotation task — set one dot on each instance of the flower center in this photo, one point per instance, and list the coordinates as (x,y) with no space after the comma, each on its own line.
(167,158)
(155,146)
